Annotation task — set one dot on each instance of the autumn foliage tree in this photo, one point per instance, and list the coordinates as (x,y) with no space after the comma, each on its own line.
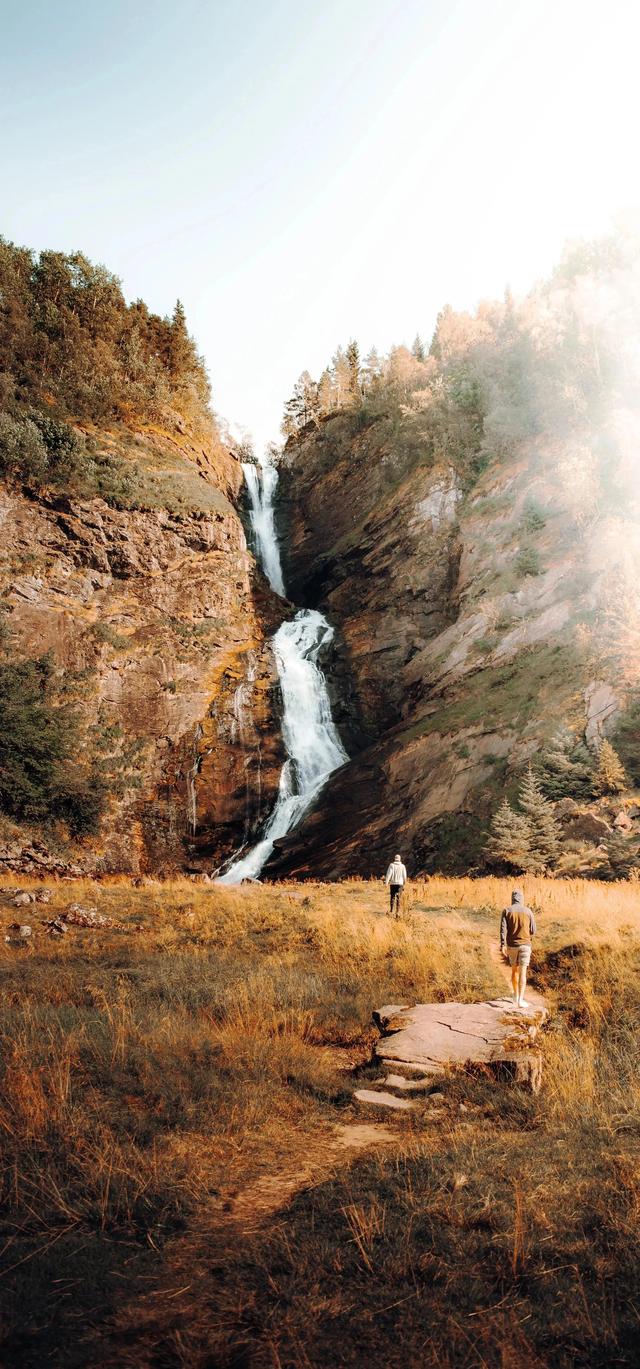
(69,339)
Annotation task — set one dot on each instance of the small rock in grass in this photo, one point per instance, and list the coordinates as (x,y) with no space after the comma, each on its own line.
(56,927)
(21,900)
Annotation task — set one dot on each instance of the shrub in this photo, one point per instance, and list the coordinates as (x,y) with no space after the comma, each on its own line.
(23,453)
(69,462)
(528,562)
(40,778)
(534,519)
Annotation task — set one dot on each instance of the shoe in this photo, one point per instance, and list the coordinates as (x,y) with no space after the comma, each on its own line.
(522,1003)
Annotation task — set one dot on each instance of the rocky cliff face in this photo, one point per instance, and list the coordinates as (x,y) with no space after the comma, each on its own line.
(473,623)
(158,620)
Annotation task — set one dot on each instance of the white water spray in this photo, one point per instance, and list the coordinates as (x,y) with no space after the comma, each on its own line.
(261,484)
(313,747)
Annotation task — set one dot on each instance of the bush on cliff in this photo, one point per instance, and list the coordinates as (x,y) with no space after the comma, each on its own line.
(41,777)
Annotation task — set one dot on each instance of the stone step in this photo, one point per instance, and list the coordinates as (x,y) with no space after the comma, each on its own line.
(397,1081)
(380,1099)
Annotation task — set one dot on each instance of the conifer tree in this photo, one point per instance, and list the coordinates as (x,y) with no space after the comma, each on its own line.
(418,350)
(341,373)
(623,856)
(610,777)
(543,827)
(372,372)
(508,842)
(303,407)
(353,364)
(326,392)
(181,348)
(565,768)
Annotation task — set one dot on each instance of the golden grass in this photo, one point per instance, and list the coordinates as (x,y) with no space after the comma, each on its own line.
(153,1070)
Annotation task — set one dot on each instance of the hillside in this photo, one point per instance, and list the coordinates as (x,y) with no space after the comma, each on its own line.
(137,690)
(469,520)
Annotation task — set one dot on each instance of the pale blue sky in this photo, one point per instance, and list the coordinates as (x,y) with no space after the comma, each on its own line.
(303,173)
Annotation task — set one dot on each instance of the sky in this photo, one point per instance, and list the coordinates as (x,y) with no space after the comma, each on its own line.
(300,173)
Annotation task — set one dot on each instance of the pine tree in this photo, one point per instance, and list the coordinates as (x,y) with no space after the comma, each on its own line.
(565,767)
(610,776)
(508,842)
(353,364)
(326,392)
(543,828)
(372,372)
(303,407)
(341,373)
(418,350)
(623,856)
(182,352)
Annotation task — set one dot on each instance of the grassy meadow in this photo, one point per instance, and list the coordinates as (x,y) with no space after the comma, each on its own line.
(160,1074)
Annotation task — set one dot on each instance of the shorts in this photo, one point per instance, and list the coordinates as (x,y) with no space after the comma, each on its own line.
(519,955)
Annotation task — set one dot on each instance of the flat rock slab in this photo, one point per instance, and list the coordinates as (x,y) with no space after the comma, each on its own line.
(436,1035)
(398,1081)
(382,1099)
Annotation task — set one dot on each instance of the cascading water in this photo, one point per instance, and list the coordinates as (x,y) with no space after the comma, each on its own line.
(261,483)
(312,743)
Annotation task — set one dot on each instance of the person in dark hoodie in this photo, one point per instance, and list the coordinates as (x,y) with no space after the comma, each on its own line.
(517,927)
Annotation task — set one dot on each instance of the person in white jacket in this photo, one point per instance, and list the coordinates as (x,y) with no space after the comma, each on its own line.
(396,878)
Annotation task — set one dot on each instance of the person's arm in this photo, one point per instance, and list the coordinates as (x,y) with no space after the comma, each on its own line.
(404,871)
(532,924)
(503,930)
(388,874)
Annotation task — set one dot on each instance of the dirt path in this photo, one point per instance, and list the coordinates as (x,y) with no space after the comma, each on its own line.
(273,1191)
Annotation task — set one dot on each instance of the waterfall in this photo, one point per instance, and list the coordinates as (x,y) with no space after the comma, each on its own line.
(311,739)
(261,484)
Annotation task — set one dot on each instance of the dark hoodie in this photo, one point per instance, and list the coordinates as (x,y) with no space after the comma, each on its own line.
(517,924)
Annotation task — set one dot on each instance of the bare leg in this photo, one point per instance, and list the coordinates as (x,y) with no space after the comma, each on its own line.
(522,984)
(514,982)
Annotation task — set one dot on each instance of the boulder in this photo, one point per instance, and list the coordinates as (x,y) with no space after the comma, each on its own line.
(622,821)
(494,1034)
(566,808)
(21,900)
(601,706)
(588,827)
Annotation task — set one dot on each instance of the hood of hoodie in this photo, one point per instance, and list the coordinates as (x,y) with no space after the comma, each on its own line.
(517,899)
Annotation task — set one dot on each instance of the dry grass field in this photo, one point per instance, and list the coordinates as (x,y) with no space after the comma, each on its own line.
(161,1076)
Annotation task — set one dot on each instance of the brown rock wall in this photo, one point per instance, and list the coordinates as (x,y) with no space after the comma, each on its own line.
(470,632)
(159,617)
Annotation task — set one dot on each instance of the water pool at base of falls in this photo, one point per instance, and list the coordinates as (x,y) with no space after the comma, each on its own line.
(311,739)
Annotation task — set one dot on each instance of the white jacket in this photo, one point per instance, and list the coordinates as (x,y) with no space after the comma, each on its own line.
(397,873)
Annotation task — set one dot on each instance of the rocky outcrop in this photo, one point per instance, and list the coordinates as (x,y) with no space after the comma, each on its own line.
(158,621)
(472,623)
(426,1040)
